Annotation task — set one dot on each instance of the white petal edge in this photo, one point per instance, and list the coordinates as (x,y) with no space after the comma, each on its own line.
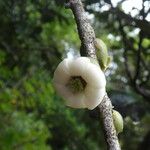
(94,76)
(61,74)
(93,97)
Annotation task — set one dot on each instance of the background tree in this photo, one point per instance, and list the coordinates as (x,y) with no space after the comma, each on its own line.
(34,37)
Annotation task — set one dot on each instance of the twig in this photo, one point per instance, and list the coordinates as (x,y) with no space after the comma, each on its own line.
(132,80)
(87,37)
(109,130)
(85,31)
(128,71)
(138,66)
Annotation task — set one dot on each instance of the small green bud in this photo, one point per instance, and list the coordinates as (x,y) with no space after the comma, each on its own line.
(118,121)
(102,54)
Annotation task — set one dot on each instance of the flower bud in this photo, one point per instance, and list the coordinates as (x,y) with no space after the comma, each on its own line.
(102,54)
(118,121)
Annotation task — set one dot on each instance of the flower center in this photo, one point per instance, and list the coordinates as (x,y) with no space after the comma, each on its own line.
(76,84)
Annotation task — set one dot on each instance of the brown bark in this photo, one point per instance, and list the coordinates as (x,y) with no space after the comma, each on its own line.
(87,37)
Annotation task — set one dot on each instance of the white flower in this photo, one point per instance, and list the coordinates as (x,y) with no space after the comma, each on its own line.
(80,82)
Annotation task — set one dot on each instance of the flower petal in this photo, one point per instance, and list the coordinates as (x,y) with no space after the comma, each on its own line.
(61,74)
(62,90)
(93,97)
(71,100)
(91,73)
(78,66)
(94,76)
(76,101)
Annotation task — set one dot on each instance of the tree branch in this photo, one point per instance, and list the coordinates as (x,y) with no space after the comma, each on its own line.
(138,66)
(87,37)
(132,80)
(142,24)
(125,51)
(85,31)
(109,130)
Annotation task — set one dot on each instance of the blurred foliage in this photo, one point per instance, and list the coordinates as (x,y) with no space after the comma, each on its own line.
(34,37)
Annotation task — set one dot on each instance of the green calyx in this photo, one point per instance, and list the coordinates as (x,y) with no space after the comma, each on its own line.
(76,84)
